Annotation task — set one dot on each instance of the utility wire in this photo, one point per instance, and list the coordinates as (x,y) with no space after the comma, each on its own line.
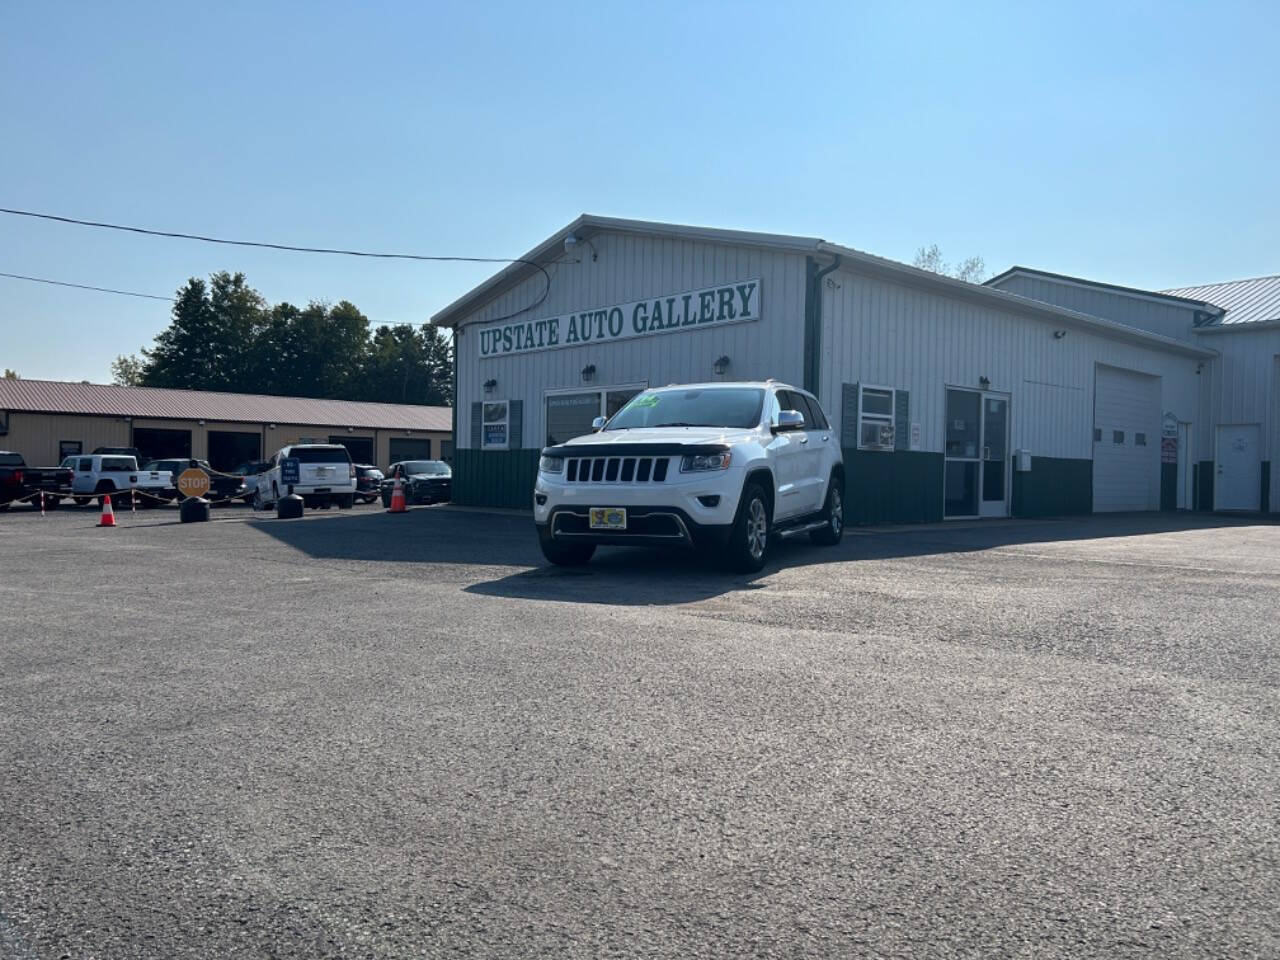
(83,286)
(172,234)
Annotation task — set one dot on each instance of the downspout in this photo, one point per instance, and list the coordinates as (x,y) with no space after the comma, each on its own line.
(813,322)
(457,333)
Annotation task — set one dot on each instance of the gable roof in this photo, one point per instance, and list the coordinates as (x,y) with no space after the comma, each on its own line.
(588,224)
(1255,300)
(56,396)
(1171,296)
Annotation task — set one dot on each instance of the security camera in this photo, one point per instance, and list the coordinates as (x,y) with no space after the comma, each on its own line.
(570,241)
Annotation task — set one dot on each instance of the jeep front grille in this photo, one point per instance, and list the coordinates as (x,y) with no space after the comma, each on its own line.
(616,470)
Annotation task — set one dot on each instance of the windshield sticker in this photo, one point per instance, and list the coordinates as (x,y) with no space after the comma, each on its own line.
(645,400)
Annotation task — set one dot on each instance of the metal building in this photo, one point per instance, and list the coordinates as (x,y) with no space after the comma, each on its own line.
(951,399)
(1239,387)
(47,420)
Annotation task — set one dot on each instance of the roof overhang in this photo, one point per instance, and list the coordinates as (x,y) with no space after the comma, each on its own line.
(1250,327)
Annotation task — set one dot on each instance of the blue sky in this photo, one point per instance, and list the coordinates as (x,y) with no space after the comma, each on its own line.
(1132,143)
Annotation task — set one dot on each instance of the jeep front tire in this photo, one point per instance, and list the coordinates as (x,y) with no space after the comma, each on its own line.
(566,554)
(752,530)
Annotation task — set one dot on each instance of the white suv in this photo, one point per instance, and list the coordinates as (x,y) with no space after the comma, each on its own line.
(325,475)
(726,467)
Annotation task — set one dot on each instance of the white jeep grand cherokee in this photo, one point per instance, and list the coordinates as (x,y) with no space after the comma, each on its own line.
(724,467)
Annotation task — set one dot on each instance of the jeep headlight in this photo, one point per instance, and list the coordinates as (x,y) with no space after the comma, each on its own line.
(695,463)
(551,465)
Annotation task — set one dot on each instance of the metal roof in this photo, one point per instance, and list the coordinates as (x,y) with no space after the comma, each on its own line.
(589,224)
(55,396)
(1171,295)
(1256,300)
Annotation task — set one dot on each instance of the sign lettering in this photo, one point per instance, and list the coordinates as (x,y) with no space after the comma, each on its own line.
(737,302)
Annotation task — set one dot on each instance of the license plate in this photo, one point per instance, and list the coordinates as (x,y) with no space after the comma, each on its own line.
(323,471)
(608,518)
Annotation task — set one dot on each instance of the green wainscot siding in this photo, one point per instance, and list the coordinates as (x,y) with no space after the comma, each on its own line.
(1204,485)
(1168,486)
(902,486)
(1054,487)
(495,478)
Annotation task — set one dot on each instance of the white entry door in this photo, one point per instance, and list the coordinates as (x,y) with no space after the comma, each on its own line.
(1238,484)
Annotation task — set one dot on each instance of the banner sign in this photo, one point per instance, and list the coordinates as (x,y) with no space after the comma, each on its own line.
(696,309)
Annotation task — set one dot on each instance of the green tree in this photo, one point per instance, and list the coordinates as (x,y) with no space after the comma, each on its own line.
(208,345)
(11,374)
(127,371)
(409,364)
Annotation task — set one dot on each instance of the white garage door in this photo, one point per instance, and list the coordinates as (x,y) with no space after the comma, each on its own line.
(1126,440)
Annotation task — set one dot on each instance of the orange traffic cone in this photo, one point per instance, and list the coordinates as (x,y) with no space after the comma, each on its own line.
(397,498)
(108,515)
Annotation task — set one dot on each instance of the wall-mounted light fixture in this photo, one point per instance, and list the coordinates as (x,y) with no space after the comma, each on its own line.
(983,382)
(271,426)
(490,385)
(588,373)
(571,241)
(351,429)
(200,422)
(1059,334)
(128,419)
(721,365)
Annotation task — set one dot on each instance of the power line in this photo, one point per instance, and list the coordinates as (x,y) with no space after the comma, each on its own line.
(84,286)
(173,234)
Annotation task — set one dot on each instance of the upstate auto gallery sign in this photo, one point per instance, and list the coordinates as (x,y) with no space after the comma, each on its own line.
(695,310)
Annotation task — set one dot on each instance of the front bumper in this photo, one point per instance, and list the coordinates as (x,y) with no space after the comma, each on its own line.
(689,509)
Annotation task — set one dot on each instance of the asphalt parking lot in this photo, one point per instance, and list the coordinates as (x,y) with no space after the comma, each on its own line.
(365,735)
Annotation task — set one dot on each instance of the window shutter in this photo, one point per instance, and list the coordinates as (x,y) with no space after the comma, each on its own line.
(477,415)
(849,415)
(902,420)
(515,424)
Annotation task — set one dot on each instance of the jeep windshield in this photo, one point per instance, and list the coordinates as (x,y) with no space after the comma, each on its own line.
(733,407)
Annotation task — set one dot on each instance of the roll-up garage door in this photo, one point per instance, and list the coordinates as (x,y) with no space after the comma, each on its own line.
(1126,440)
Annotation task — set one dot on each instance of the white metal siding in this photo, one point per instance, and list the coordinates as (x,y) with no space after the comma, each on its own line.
(885,333)
(629,268)
(1126,475)
(1241,386)
(1168,319)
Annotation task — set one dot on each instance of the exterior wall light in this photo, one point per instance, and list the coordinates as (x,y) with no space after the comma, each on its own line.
(490,385)
(588,373)
(1059,334)
(983,382)
(271,426)
(721,366)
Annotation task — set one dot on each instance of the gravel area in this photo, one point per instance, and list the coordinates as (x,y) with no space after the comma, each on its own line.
(366,735)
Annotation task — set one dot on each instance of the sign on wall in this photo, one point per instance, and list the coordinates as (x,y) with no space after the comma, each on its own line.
(696,309)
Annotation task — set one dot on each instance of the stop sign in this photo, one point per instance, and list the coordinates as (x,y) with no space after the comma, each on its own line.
(193,482)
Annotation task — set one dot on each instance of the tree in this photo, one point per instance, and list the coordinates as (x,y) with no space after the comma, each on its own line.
(127,371)
(224,336)
(208,345)
(972,270)
(11,374)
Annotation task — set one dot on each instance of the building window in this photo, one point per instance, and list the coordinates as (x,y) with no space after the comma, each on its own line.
(494,425)
(69,448)
(1139,439)
(875,418)
(570,413)
(1117,436)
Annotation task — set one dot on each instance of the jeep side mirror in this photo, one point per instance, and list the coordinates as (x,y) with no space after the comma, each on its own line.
(598,424)
(789,420)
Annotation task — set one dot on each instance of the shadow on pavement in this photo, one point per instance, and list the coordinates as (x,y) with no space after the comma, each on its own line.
(633,576)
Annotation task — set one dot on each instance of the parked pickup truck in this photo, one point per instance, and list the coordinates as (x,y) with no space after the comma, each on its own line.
(98,476)
(17,481)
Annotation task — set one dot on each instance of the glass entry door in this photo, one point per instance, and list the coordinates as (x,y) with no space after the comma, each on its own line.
(976,468)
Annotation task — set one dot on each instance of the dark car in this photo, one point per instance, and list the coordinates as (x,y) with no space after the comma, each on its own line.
(425,481)
(223,487)
(368,482)
(249,471)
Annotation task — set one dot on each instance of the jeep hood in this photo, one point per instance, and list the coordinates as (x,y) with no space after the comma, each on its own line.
(691,436)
